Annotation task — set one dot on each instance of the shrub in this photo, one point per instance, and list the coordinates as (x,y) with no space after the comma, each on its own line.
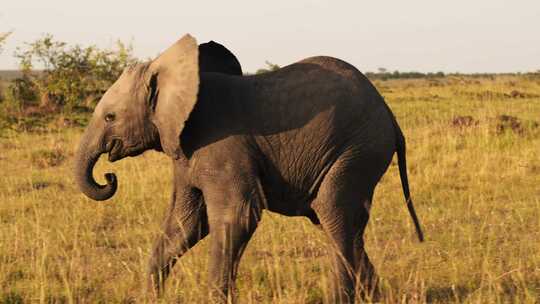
(68,75)
(22,89)
(270,68)
(3,38)
(2,88)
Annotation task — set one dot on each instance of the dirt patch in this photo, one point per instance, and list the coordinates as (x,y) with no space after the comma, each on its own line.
(48,158)
(507,123)
(37,185)
(499,125)
(518,94)
(8,145)
(40,185)
(462,122)
(492,95)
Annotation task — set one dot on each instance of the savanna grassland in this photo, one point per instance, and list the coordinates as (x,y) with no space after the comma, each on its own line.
(474,169)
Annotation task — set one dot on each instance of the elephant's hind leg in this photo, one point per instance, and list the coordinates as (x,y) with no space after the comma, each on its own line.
(365,276)
(185,224)
(342,205)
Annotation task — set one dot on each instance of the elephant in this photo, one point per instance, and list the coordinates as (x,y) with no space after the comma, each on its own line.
(311,139)
(214,57)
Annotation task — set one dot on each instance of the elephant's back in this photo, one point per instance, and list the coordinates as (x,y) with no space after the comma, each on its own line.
(337,66)
(319,89)
(311,78)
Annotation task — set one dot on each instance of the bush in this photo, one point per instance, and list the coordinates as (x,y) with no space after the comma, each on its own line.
(270,68)
(3,38)
(2,89)
(22,89)
(68,75)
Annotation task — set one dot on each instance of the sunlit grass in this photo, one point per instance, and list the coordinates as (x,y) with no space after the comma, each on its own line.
(476,190)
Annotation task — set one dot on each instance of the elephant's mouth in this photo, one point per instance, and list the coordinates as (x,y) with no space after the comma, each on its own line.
(118,150)
(115,150)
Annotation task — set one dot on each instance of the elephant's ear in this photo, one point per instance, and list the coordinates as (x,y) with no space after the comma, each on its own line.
(177,73)
(214,57)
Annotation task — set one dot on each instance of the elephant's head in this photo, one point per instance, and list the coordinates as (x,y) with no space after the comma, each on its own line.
(146,108)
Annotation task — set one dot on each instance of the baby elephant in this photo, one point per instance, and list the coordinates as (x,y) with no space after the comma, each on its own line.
(311,139)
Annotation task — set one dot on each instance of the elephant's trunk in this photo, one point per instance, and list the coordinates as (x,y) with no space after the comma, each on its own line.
(87,156)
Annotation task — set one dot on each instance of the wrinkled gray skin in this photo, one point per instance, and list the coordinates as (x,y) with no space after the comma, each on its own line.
(311,139)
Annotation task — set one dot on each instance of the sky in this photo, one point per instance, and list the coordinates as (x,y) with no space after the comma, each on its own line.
(468,36)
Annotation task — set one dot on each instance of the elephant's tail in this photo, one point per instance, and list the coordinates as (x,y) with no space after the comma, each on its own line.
(402,164)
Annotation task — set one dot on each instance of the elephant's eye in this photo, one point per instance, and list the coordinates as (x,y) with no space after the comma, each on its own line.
(109,117)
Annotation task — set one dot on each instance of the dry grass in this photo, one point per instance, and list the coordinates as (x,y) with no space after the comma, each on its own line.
(475,185)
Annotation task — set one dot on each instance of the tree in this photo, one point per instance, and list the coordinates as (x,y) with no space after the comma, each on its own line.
(270,68)
(3,38)
(69,75)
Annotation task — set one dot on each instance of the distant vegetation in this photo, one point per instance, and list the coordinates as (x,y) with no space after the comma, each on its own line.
(384,75)
(69,75)
(57,78)
(270,67)
(3,38)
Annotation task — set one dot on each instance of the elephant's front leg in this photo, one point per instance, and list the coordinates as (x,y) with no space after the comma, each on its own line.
(185,224)
(233,215)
